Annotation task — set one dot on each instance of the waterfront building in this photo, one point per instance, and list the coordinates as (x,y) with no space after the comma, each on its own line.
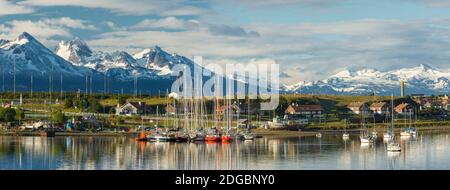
(170,109)
(131,108)
(305,111)
(380,108)
(358,108)
(404,108)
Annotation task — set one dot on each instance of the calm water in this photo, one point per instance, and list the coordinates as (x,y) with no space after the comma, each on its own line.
(426,151)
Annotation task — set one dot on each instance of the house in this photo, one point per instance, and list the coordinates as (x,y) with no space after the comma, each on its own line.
(358,108)
(305,111)
(380,108)
(404,108)
(131,108)
(170,109)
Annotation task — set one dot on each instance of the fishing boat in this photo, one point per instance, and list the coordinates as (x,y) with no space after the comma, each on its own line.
(276,124)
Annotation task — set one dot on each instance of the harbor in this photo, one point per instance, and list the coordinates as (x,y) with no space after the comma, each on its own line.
(331,151)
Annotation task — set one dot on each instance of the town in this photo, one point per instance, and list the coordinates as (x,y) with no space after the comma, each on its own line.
(115,114)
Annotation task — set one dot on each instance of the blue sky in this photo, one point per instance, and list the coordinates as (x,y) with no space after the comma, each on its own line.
(311,39)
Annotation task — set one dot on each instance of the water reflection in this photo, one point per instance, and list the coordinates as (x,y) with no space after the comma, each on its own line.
(427,151)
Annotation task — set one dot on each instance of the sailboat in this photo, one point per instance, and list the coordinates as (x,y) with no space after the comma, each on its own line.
(214,135)
(388,135)
(365,138)
(345,135)
(392,146)
(411,130)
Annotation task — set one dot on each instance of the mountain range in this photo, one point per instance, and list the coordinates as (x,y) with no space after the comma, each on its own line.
(422,79)
(77,64)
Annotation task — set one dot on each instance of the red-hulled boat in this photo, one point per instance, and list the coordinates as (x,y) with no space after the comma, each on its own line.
(226,138)
(214,138)
(142,137)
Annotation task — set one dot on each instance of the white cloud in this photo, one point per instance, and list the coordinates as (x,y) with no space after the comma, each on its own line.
(10,8)
(136,7)
(320,49)
(43,29)
(167,23)
(272,3)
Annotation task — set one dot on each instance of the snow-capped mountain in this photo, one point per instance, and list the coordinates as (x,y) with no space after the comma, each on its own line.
(76,62)
(151,63)
(424,79)
(29,55)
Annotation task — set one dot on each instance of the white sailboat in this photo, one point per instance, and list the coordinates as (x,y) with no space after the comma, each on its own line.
(345,135)
(365,138)
(392,146)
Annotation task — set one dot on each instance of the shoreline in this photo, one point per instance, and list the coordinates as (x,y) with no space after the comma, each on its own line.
(258,132)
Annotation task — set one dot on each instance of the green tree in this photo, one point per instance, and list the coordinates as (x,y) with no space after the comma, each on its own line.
(122,100)
(94,105)
(58,117)
(2,114)
(20,114)
(10,115)
(68,103)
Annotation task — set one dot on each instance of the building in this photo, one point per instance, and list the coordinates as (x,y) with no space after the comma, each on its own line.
(402,88)
(170,109)
(305,111)
(358,108)
(404,108)
(131,108)
(380,108)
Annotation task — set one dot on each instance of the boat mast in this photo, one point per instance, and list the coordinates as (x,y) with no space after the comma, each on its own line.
(392,116)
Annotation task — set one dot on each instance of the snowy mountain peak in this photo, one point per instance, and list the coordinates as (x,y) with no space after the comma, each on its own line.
(423,78)
(30,55)
(25,37)
(74,51)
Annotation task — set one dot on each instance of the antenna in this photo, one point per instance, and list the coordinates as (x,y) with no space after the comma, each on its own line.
(50,87)
(14,88)
(91,84)
(62,87)
(104,84)
(31,85)
(135,86)
(85,92)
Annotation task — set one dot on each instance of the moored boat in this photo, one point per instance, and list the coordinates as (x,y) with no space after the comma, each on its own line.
(213,138)
(249,136)
(345,136)
(226,138)
(142,137)
(393,147)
